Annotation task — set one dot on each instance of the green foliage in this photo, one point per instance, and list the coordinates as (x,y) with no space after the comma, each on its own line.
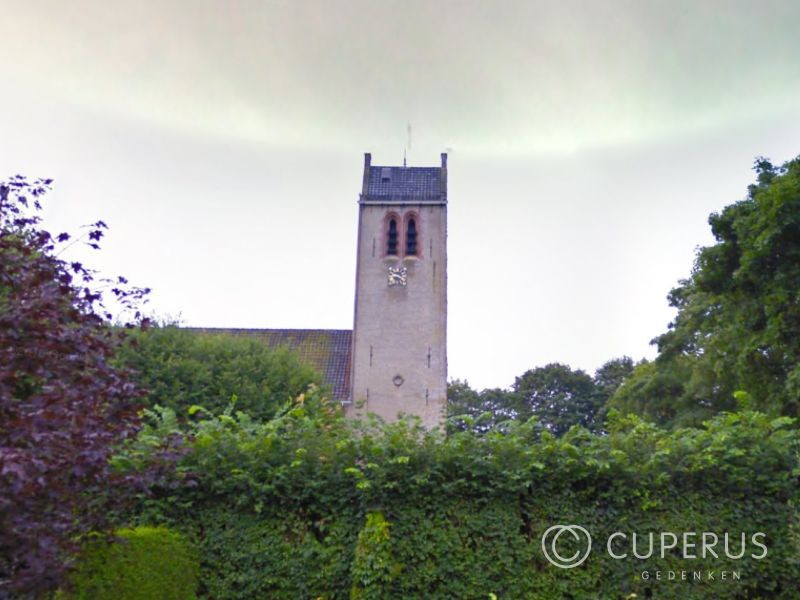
(274,554)
(372,565)
(182,368)
(460,548)
(558,396)
(607,380)
(145,563)
(479,411)
(651,393)
(738,322)
(311,505)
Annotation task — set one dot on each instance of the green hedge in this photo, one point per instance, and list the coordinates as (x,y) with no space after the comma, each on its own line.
(245,555)
(144,563)
(312,506)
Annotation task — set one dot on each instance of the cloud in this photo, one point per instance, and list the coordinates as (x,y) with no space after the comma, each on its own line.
(504,78)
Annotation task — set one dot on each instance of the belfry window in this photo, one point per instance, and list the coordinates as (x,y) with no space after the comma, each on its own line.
(411,238)
(391,243)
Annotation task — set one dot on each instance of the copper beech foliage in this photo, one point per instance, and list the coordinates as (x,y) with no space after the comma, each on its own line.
(63,407)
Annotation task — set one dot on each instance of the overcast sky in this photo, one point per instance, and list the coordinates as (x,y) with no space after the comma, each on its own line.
(223,143)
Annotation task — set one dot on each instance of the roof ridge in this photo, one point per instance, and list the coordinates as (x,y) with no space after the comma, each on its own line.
(327,350)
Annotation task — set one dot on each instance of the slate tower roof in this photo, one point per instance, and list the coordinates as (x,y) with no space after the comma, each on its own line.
(417,185)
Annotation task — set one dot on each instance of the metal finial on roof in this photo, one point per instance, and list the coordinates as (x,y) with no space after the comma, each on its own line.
(408,143)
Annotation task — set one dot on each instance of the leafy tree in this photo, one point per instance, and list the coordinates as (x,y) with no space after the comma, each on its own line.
(558,395)
(179,368)
(607,379)
(63,407)
(462,399)
(479,411)
(737,331)
(611,375)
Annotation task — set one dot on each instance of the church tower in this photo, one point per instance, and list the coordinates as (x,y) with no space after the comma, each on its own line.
(399,360)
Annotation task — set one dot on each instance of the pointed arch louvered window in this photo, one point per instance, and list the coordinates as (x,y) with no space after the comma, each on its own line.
(411,237)
(391,238)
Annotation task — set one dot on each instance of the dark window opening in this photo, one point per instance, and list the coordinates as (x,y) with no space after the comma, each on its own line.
(391,246)
(411,237)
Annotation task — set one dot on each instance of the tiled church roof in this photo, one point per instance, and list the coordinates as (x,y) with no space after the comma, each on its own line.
(422,183)
(327,350)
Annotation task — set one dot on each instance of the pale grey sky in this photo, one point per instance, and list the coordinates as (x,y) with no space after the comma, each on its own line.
(223,143)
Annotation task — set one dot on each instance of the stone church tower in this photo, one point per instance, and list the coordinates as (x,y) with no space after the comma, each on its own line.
(395,358)
(399,358)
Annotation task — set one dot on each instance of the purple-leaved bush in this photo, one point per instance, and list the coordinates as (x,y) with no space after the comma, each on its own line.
(63,406)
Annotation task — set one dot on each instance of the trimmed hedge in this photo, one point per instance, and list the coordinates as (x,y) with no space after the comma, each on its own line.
(310,505)
(247,555)
(144,563)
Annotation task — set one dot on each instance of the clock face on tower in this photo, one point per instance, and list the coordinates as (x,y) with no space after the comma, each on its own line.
(397,276)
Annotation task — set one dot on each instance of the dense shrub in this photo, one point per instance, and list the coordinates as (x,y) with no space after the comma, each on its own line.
(310,505)
(140,564)
(180,368)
